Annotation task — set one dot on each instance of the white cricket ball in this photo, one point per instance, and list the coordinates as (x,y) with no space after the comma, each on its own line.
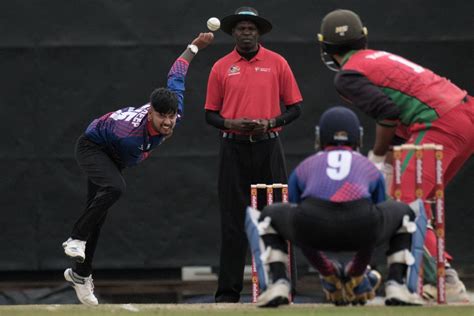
(213,24)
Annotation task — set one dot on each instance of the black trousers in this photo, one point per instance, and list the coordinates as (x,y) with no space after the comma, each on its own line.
(105,185)
(241,164)
(357,226)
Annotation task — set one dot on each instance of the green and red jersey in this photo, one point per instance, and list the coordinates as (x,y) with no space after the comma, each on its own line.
(394,90)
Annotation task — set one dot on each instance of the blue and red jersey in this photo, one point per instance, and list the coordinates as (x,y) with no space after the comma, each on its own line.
(337,174)
(124,134)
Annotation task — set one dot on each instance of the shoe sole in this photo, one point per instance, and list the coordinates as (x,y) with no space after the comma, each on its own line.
(277,301)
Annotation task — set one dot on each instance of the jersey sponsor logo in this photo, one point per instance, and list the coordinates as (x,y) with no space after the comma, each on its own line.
(262,69)
(233,70)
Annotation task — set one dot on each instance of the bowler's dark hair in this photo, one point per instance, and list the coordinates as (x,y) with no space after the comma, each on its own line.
(164,101)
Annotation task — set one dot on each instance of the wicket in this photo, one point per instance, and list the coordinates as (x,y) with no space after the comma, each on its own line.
(439,222)
(269,189)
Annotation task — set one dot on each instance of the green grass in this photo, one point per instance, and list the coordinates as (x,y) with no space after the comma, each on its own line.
(231,310)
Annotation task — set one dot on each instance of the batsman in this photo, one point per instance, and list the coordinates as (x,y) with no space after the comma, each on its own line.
(337,204)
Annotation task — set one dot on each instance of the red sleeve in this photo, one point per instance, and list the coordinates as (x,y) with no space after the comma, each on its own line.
(289,91)
(214,95)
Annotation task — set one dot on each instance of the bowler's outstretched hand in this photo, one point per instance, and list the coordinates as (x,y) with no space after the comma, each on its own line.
(203,40)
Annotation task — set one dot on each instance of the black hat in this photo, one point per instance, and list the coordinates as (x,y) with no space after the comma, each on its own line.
(341,31)
(245,14)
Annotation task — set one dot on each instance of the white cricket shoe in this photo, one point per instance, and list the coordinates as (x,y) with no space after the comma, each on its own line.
(398,294)
(455,289)
(276,294)
(84,287)
(75,249)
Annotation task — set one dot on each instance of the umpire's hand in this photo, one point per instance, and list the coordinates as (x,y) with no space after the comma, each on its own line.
(241,125)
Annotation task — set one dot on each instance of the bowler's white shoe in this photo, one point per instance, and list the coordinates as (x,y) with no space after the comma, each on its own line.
(276,294)
(75,249)
(84,287)
(455,289)
(398,294)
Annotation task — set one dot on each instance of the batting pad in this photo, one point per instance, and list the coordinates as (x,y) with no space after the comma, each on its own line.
(256,245)
(417,244)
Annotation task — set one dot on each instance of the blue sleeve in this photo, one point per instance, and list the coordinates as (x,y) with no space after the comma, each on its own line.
(176,79)
(294,188)
(377,189)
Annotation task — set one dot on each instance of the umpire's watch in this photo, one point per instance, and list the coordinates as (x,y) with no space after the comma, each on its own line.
(193,48)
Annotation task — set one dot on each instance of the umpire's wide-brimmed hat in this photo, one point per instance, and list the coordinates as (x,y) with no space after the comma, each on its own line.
(245,14)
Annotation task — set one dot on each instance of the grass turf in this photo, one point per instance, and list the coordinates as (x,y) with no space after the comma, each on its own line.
(231,310)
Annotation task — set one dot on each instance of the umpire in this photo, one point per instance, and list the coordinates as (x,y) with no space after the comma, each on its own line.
(244,93)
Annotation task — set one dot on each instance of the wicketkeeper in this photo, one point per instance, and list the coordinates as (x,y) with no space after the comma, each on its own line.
(337,204)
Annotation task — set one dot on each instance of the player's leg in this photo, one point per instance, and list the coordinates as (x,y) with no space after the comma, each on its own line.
(324,225)
(233,189)
(458,146)
(76,248)
(269,166)
(270,251)
(105,186)
(84,269)
(453,157)
(398,222)
(81,276)
(456,152)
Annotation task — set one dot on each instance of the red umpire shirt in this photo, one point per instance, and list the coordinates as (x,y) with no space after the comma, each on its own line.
(253,89)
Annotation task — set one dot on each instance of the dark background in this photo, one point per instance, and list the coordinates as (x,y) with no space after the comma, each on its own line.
(64,63)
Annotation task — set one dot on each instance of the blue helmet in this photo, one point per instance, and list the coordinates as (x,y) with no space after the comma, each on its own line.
(339,126)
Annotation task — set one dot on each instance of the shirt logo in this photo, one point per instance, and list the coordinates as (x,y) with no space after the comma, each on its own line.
(262,69)
(233,70)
